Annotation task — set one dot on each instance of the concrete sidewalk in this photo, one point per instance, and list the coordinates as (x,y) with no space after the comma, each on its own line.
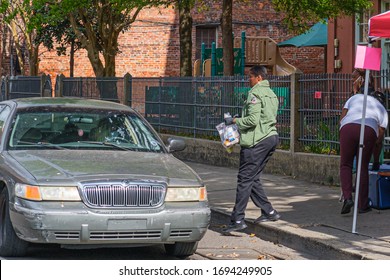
(311,221)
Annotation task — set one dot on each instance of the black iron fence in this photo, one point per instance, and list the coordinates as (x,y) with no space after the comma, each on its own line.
(321,99)
(106,88)
(308,116)
(25,86)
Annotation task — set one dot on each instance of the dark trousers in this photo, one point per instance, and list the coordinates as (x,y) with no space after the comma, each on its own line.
(349,149)
(252,163)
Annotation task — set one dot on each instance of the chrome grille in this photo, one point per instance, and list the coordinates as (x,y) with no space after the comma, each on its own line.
(180,233)
(67,235)
(111,235)
(119,195)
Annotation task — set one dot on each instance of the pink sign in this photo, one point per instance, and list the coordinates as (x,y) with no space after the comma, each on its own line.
(368,58)
(317,94)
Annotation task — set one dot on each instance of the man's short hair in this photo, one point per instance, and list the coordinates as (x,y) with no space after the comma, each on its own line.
(259,70)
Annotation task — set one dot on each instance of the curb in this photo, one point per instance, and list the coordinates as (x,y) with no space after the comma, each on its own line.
(311,246)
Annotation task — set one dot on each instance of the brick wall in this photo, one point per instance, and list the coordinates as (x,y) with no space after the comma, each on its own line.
(307,59)
(151,47)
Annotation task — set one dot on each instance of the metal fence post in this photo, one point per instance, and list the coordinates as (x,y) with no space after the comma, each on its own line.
(294,113)
(42,85)
(7,87)
(46,92)
(159,102)
(194,106)
(59,86)
(2,88)
(127,88)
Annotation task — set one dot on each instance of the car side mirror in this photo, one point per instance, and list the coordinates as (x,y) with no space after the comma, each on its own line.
(176,145)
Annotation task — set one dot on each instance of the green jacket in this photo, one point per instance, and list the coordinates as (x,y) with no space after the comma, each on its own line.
(259,112)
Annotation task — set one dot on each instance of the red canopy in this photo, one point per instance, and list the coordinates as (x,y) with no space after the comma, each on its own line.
(379,25)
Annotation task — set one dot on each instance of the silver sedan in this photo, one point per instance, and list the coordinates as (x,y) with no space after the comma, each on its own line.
(89,174)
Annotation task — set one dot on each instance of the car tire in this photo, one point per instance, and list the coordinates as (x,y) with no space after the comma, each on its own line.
(181,249)
(10,244)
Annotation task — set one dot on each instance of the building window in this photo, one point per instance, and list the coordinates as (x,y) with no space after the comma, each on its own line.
(385,6)
(362,27)
(206,35)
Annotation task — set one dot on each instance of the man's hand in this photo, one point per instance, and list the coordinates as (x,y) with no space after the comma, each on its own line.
(228,120)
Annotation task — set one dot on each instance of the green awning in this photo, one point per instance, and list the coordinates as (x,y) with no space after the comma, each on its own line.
(316,36)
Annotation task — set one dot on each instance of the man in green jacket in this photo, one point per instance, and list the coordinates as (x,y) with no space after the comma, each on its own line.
(258,141)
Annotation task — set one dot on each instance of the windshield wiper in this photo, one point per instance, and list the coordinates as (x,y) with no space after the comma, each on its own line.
(42,144)
(109,144)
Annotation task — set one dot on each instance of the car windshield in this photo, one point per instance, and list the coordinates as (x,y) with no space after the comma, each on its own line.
(60,128)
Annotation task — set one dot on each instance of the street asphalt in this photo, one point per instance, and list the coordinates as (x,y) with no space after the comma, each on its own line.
(310,216)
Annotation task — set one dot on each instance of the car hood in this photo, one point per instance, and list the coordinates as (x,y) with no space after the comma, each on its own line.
(61,166)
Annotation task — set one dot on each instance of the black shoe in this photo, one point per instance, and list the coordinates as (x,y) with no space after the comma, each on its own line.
(362,211)
(348,204)
(235,226)
(268,217)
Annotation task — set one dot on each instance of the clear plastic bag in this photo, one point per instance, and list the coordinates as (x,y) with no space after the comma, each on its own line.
(229,135)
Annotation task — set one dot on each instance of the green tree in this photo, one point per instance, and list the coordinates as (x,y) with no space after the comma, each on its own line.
(16,15)
(96,24)
(298,16)
(185,31)
(60,36)
(227,37)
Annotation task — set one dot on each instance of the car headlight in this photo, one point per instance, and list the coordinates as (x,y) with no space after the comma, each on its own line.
(40,193)
(186,194)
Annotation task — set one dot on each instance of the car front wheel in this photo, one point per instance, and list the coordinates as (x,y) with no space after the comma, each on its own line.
(181,249)
(10,244)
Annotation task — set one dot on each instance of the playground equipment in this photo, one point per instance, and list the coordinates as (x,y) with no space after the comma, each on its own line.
(248,51)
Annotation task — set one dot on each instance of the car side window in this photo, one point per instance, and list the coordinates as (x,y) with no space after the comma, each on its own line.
(4,114)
